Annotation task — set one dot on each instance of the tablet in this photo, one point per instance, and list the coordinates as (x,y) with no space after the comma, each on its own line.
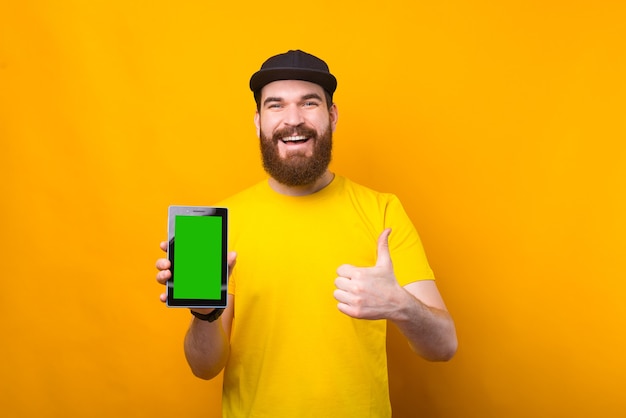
(198,244)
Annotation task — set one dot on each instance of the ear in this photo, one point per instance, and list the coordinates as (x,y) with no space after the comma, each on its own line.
(334,115)
(257,123)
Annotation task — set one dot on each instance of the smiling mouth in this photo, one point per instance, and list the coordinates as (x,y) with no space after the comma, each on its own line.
(295,139)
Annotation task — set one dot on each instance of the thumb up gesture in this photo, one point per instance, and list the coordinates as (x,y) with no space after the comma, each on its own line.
(369,292)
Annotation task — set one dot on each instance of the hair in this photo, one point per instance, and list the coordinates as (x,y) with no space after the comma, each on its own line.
(257,99)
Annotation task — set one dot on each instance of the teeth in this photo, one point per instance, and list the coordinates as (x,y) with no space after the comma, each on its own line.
(294,138)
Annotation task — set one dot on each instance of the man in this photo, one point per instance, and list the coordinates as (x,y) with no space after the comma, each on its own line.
(322,262)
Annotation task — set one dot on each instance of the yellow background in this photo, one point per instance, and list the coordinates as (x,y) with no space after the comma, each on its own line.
(500,124)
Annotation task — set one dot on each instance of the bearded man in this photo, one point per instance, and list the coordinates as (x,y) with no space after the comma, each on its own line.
(318,274)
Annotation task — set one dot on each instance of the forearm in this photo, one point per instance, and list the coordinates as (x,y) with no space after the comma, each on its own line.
(206,348)
(430,331)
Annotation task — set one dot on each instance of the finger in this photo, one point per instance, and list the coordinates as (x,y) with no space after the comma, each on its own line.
(343,283)
(346,309)
(341,296)
(163,276)
(163,297)
(346,270)
(383,258)
(163,245)
(346,298)
(163,264)
(231,259)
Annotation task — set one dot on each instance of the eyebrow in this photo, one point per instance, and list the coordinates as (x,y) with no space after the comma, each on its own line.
(312,96)
(280,99)
(272,99)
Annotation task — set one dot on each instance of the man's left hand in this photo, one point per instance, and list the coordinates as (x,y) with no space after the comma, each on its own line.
(369,292)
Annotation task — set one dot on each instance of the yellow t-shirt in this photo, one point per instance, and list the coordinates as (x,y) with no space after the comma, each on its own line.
(293,353)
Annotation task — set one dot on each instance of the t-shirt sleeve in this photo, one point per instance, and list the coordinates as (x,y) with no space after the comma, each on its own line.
(406,249)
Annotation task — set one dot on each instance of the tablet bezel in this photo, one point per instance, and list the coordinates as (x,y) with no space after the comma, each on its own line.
(177,210)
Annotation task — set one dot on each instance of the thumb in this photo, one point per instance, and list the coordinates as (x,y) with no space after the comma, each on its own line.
(384,258)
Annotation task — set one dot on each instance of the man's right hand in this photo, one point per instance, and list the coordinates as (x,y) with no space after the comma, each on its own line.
(164,273)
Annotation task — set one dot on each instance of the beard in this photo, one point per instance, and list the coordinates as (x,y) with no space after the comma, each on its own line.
(297,169)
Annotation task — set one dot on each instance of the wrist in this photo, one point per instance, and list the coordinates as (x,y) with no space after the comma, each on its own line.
(404,305)
(208,317)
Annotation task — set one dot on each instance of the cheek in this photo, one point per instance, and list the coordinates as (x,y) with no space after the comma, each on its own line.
(324,121)
(264,131)
(267,126)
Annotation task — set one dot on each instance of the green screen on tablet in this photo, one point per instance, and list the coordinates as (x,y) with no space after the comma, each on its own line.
(197,251)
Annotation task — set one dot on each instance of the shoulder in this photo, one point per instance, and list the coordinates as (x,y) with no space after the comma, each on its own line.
(367,195)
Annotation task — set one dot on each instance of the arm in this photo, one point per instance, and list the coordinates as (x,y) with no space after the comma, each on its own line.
(424,320)
(417,309)
(206,343)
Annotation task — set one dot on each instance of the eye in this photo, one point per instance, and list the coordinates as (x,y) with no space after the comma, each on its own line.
(310,103)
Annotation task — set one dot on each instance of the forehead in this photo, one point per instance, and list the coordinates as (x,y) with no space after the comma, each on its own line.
(290,89)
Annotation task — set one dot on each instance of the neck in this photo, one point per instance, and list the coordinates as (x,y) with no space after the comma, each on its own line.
(323,181)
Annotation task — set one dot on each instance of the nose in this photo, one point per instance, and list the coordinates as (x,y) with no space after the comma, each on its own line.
(293,116)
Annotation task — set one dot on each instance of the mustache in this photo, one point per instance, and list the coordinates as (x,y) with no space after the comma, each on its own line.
(295,131)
